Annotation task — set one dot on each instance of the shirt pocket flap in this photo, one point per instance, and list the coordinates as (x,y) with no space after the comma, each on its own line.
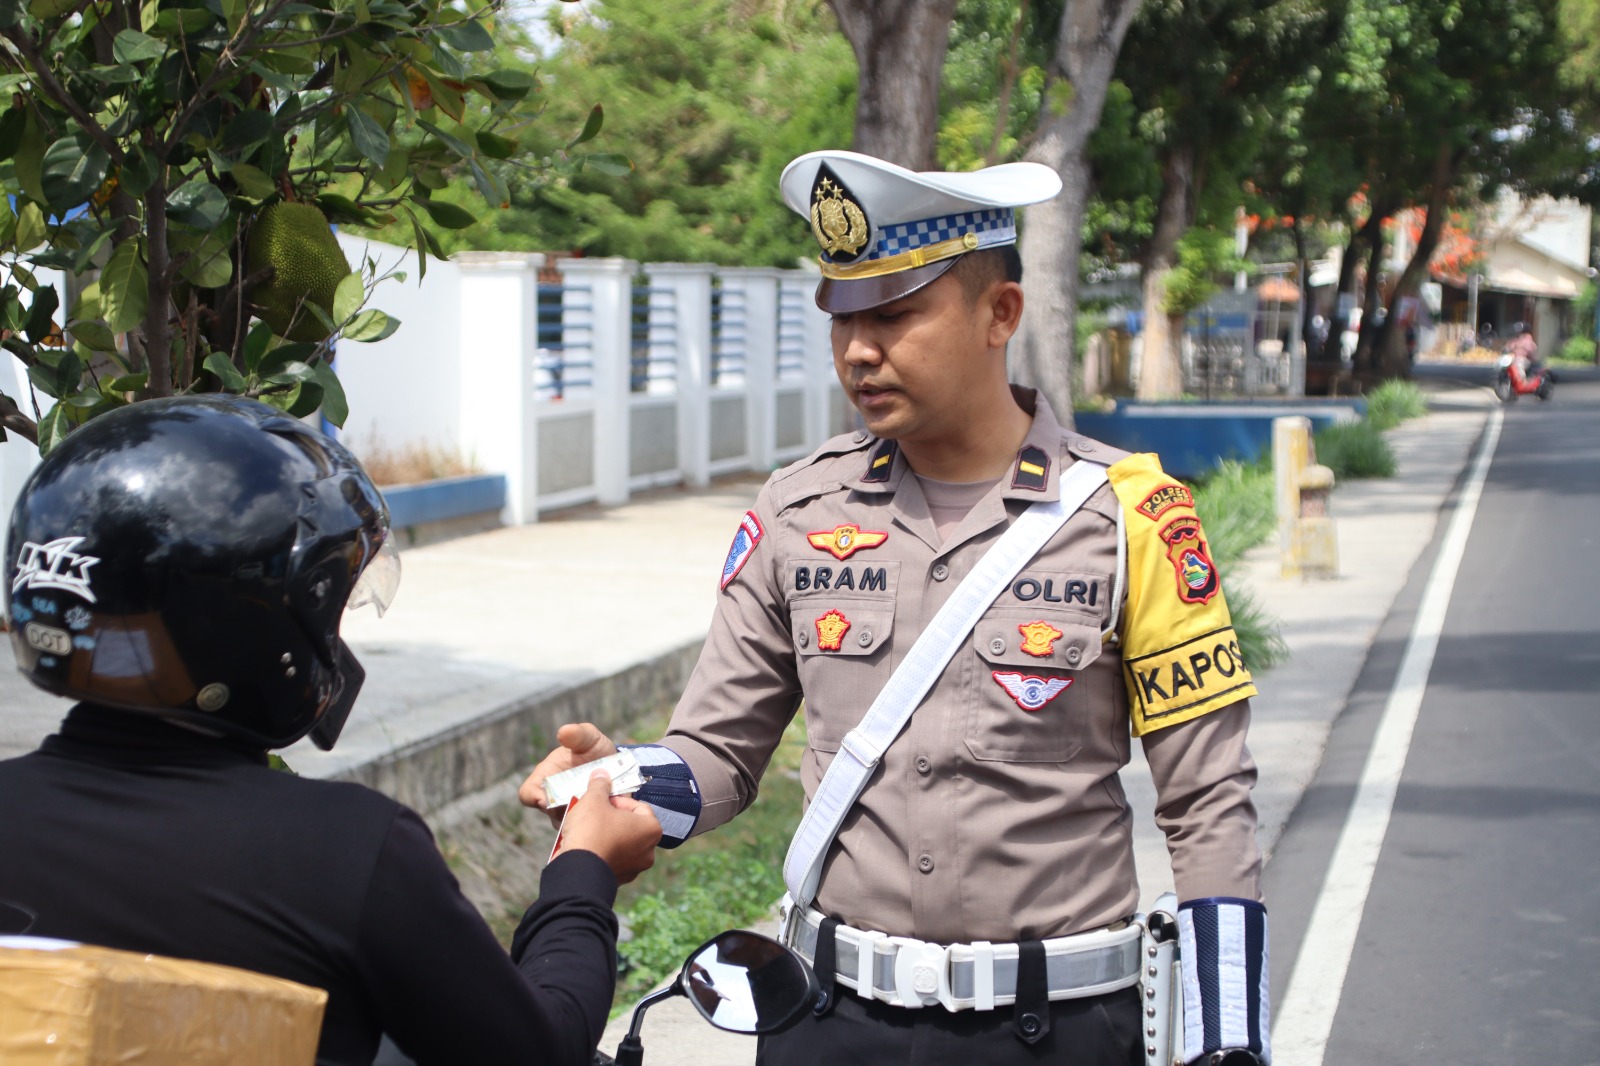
(1036,639)
(834,625)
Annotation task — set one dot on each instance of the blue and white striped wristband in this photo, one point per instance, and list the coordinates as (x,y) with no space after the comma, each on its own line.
(1226,990)
(671,791)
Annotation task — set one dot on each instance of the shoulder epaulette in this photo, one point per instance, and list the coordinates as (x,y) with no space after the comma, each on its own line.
(819,472)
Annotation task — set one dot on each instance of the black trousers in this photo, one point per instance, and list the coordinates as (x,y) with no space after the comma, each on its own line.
(1096,1031)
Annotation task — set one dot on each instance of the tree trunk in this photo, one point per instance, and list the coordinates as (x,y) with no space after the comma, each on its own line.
(1369,299)
(1393,359)
(900,47)
(1052,235)
(1161,373)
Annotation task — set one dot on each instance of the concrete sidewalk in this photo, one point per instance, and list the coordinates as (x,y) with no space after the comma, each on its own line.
(495,639)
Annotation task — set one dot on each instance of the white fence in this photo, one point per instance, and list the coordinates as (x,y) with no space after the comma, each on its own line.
(615,378)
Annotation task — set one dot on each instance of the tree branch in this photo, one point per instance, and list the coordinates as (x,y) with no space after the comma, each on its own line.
(14,420)
(39,69)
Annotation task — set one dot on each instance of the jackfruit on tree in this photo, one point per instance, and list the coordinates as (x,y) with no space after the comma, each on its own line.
(308,264)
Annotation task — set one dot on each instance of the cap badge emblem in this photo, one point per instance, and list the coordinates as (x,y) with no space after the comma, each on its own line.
(837,221)
(1039,638)
(1186,548)
(831,628)
(844,541)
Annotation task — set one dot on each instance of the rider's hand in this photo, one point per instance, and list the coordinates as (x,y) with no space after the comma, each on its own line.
(578,743)
(620,830)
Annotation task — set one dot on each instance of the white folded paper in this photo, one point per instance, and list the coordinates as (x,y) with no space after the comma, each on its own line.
(561,788)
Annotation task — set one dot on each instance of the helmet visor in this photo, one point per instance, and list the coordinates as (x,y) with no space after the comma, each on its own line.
(379,580)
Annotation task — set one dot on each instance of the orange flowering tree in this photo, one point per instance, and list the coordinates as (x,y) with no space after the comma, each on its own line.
(140,140)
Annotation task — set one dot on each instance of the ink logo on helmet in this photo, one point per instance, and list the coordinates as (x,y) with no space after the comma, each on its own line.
(837,220)
(1191,561)
(54,566)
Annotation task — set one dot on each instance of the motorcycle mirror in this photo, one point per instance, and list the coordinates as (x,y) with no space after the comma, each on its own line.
(747,983)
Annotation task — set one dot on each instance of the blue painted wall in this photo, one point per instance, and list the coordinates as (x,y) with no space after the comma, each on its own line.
(1192,438)
(436,501)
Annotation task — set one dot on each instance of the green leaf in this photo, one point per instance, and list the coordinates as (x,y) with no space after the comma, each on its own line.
(123,284)
(220,365)
(125,383)
(308,397)
(490,186)
(93,335)
(115,74)
(131,46)
(10,14)
(509,84)
(468,36)
(335,408)
(293,372)
(53,428)
(495,146)
(30,227)
(618,166)
(138,172)
(210,264)
(84,259)
(253,181)
(197,203)
(342,209)
(41,316)
(87,306)
(185,22)
(12,124)
(246,130)
(72,169)
(448,215)
(370,138)
(455,144)
(369,326)
(591,128)
(348,297)
(256,344)
(44,10)
(284,354)
(29,159)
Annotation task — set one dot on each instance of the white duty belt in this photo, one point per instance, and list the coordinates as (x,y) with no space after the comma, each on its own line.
(905,972)
(864,745)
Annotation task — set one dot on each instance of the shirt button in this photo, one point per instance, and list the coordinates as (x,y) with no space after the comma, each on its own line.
(1073,655)
(860,436)
(865,639)
(940,572)
(1086,446)
(1029,1023)
(924,765)
(803,637)
(925,863)
(997,646)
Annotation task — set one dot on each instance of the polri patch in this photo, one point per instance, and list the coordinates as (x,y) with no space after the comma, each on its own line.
(1033,469)
(844,541)
(1039,638)
(1030,692)
(831,628)
(744,545)
(1164,499)
(1186,548)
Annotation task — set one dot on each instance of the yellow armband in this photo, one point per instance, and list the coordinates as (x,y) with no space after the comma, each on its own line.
(1179,651)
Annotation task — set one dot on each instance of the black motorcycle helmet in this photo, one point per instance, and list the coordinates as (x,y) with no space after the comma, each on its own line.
(192,558)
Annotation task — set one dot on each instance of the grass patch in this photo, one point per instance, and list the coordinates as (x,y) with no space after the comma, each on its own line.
(1394,402)
(1236,502)
(1355,450)
(1578,351)
(720,880)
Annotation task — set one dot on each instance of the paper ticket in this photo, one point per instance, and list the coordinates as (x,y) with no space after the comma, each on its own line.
(567,785)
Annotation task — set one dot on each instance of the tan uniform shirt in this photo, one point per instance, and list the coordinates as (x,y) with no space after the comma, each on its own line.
(986,820)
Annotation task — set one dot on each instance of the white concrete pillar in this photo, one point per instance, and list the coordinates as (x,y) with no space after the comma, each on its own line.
(499,339)
(820,377)
(759,285)
(690,284)
(609,285)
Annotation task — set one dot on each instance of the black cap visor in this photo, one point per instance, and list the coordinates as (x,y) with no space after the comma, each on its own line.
(843,297)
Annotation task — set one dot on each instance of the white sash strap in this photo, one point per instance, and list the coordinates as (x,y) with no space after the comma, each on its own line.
(864,745)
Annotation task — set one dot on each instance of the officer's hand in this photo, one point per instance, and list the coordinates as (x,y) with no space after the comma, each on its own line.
(578,743)
(620,830)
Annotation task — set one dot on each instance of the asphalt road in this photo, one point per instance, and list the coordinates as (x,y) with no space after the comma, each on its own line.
(1469,933)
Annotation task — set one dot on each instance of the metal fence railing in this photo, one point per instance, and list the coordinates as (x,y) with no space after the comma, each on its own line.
(728,337)
(653,348)
(564,330)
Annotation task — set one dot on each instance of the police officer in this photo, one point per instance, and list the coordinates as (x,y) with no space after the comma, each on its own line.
(181,567)
(974,899)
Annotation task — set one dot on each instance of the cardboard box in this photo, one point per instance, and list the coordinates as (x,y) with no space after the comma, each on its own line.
(76,1005)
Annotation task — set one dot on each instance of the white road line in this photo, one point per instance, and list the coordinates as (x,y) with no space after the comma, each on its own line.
(1305,1017)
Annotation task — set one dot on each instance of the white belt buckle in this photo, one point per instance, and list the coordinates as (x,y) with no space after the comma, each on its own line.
(921,973)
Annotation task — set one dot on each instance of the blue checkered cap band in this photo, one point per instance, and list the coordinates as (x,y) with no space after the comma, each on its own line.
(993,227)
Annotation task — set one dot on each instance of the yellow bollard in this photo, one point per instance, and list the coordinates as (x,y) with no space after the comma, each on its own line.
(1307,541)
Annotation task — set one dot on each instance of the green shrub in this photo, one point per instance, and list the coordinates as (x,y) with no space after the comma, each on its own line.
(1394,402)
(1355,450)
(1260,643)
(1578,349)
(1235,501)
